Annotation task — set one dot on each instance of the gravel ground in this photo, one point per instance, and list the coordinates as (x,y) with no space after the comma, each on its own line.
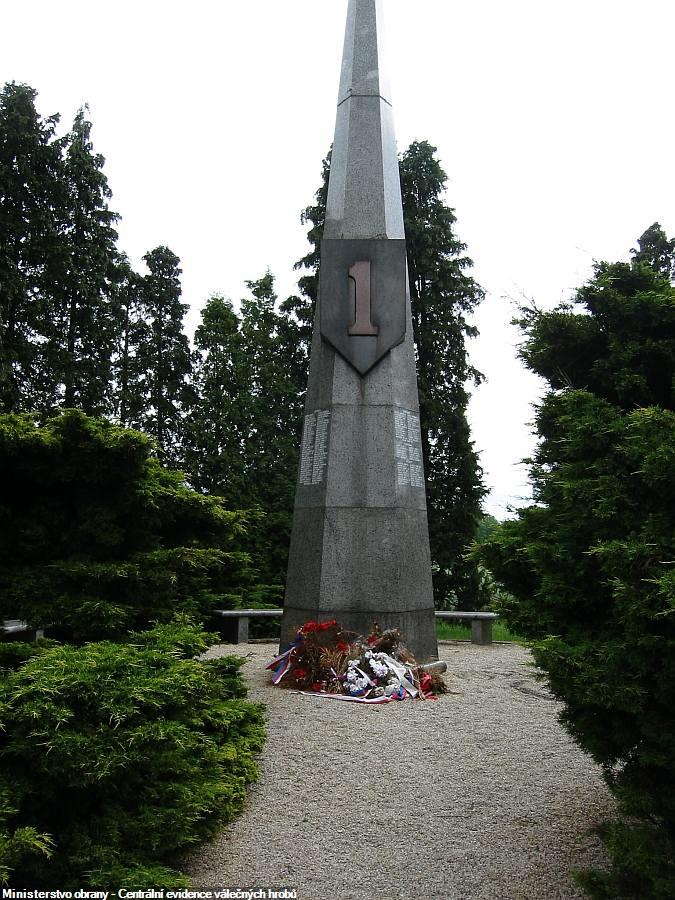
(479,794)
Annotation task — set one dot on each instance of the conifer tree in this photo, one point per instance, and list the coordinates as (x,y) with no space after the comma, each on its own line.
(85,319)
(58,263)
(270,340)
(219,421)
(103,537)
(315,216)
(243,430)
(32,198)
(164,357)
(130,332)
(590,564)
(442,294)
(656,250)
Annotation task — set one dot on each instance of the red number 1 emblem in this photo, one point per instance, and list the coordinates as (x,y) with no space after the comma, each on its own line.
(360,275)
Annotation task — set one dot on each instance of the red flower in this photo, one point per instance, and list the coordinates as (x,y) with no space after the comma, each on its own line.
(317,686)
(373,639)
(308,627)
(299,673)
(324,626)
(342,646)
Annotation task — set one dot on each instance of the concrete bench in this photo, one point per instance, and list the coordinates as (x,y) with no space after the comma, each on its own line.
(241,618)
(12,628)
(481,623)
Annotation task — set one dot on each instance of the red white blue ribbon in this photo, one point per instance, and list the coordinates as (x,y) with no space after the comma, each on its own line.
(350,698)
(282,663)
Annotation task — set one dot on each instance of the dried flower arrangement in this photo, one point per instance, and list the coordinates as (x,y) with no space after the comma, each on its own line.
(324,659)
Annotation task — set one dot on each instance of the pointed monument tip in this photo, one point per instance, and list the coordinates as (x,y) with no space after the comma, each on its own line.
(364,71)
(364,190)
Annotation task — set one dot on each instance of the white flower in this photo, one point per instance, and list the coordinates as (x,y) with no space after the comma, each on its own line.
(379,668)
(355,683)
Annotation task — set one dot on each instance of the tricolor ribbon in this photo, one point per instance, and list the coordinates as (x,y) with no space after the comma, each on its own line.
(351,698)
(403,675)
(282,663)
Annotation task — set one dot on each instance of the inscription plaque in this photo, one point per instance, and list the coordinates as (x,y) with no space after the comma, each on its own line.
(408,449)
(314,447)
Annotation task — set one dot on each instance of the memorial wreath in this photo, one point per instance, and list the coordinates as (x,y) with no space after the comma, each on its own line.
(324,659)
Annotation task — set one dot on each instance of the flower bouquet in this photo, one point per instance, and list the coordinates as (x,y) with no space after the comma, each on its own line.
(324,659)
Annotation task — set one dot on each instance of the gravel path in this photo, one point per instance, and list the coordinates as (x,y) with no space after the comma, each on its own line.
(479,794)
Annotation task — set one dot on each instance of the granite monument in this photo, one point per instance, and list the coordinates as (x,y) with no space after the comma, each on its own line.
(360,544)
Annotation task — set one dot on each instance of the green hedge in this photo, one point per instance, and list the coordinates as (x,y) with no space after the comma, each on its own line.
(590,565)
(97,538)
(116,757)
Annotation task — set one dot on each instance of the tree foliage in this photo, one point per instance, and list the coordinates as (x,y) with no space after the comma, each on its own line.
(118,756)
(97,537)
(31,201)
(115,755)
(120,752)
(58,262)
(442,294)
(657,250)
(83,318)
(78,327)
(129,400)
(315,216)
(591,562)
(218,422)
(163,358)
(244,426)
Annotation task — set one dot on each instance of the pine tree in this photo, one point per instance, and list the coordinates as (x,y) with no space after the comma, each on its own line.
(271,341)
(314,215)
(32,198)
(656,250)
(218,423)
(589,565)
(243,430)
(99,537)
(85,319)
(130,332)
(58,263)
(442,295)
(164,357)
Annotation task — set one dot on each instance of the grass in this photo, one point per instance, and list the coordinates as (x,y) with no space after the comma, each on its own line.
(446,631)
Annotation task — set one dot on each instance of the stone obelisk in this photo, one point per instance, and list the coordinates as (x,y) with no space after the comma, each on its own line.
(360,544)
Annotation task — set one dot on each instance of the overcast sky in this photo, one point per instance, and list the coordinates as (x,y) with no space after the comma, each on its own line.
(553,121)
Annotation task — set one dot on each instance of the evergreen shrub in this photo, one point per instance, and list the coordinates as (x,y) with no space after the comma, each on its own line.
(117,757)
(591,565)
(97,538)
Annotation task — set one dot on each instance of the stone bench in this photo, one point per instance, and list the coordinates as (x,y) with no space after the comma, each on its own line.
(481,623)
(12,628)
(241,618)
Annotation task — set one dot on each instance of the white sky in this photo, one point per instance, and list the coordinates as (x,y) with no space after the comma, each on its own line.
(554,122)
